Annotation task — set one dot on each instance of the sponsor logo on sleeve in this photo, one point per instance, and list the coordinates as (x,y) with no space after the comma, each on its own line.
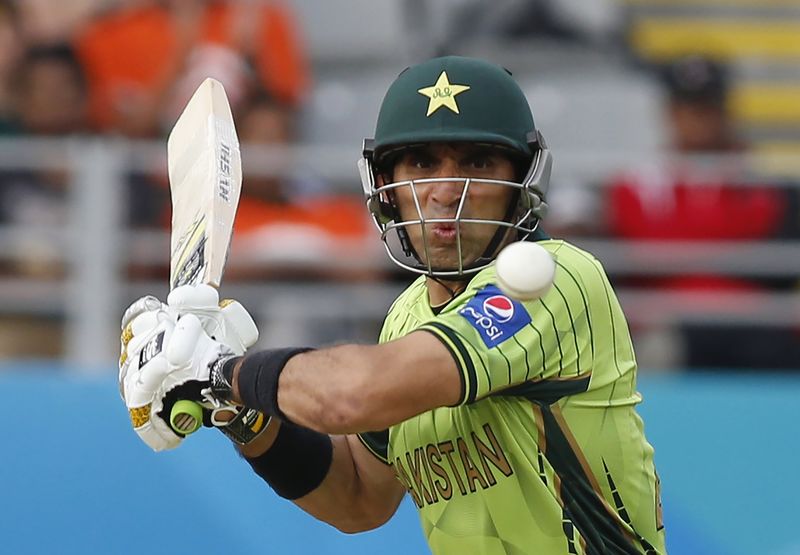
(495,316)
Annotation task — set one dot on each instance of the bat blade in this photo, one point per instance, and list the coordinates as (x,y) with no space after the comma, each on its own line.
(205,176)
(205,181)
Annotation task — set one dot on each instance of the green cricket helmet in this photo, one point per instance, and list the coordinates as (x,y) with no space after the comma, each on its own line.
(454,99)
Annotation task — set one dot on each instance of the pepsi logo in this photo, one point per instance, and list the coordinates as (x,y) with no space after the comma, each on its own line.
(494,316)
(499,307)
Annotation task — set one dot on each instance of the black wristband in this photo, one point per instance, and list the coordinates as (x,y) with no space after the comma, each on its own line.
(297,462)
(258,379)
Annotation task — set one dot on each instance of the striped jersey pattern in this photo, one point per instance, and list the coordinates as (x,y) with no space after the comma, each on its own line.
(545,452)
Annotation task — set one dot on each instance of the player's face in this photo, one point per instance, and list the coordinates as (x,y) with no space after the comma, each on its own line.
(483,201)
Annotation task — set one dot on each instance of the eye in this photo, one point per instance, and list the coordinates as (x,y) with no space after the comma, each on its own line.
(480,162)
(420,161)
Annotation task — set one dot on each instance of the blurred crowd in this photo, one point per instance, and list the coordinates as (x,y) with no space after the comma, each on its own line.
(129,66)
(708,193)
(126,68)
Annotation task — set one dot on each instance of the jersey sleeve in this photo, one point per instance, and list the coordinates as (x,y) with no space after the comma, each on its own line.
(502,346)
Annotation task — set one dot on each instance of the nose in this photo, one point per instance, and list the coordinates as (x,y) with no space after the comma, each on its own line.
(447,193)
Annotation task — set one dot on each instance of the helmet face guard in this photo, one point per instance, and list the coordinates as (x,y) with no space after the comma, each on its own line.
(454,100)
(528,207)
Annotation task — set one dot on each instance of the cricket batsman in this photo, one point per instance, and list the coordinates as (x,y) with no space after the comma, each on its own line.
(512,425)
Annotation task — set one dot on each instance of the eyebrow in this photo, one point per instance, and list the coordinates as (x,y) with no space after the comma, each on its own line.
(462,150)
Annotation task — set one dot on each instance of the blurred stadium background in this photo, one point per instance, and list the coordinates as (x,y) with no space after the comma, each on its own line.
(675,127)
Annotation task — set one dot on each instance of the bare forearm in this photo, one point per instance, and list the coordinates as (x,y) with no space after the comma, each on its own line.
(329,390)
(325,390)
(349,388)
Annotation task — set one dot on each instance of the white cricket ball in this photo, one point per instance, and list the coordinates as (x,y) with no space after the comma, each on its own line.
(525,270)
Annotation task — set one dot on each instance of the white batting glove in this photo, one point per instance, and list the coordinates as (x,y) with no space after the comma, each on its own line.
(170,361)
(149,357)
(226,321)
(143,368)
(147,304)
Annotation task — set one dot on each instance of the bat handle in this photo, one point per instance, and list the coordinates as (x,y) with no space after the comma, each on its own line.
(186,417)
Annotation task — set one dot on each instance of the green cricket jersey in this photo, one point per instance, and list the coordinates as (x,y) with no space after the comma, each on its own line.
(545,452)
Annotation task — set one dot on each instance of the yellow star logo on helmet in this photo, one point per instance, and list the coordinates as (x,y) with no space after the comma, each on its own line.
(442,93)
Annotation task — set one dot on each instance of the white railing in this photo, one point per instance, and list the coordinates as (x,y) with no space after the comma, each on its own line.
(96,247)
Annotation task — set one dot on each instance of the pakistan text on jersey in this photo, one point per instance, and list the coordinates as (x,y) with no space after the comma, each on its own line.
(439,471)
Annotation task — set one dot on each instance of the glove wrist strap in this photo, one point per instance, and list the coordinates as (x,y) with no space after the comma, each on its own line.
(221,377)
(244,427)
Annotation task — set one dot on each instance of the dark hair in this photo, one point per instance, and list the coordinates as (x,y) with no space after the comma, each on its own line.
(9,9)
(59,53)
(696,79)
(260,97)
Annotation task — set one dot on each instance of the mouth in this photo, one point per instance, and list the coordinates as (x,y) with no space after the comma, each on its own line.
(444,232)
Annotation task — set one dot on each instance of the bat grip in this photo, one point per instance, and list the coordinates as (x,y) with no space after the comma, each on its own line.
(186,417)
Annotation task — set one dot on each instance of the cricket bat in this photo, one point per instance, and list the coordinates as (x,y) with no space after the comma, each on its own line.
(205,181)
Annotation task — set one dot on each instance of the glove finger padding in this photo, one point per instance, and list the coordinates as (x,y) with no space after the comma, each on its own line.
(238,330)
(144,304)
(142,383)
(227,322)
(194,298)
(142,330)
(184,342)
(188,355)
(140,307)
(202,300)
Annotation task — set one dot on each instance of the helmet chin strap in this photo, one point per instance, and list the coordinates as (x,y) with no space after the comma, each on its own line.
(452,292)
